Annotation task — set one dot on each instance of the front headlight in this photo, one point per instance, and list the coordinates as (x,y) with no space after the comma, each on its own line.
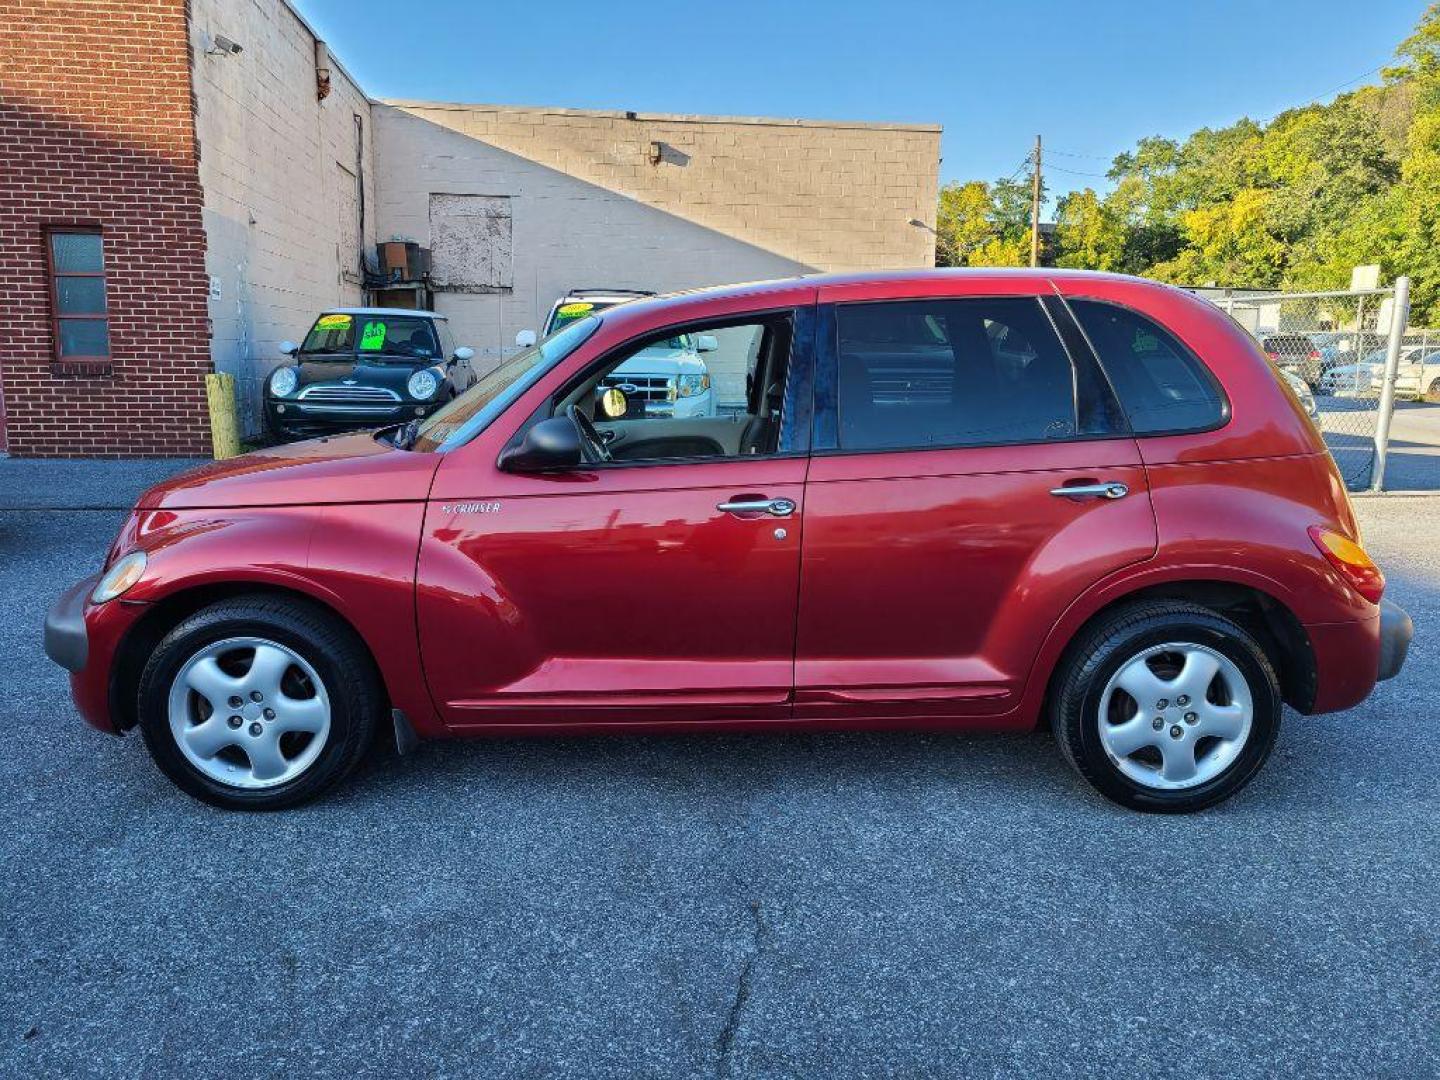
(283,381)
(123,574)
(693,385)
(422,384)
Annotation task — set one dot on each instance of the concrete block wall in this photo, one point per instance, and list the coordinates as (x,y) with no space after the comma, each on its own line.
(278,166)
(567,232)
(96,131)
(830,195)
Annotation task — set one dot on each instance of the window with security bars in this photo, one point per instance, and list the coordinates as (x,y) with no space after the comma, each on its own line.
(77,294)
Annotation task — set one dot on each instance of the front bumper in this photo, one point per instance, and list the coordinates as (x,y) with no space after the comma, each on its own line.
(66,640)
(1396,631)
(294,417)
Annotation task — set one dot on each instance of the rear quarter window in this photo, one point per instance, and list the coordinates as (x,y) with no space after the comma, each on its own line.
(1162,386)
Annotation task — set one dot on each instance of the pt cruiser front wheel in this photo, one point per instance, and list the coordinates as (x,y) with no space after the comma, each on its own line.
(1166,706)
(258,703)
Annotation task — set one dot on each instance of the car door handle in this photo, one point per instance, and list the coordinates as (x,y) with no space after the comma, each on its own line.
(1110,489)
(773,507)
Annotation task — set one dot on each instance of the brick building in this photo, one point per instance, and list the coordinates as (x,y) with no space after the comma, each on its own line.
(100,215)
(188,182)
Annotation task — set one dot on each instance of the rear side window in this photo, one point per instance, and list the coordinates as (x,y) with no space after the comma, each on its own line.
(1161,384)
(933,373)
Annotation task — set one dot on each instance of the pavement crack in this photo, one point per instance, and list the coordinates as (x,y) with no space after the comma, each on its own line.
(725,1041)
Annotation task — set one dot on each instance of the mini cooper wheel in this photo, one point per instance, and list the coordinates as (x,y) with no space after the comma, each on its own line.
(258,703)
(1166,707)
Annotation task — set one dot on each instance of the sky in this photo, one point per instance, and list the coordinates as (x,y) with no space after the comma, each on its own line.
(1092,77)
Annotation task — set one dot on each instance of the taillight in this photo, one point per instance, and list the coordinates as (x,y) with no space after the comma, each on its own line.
(1350,559)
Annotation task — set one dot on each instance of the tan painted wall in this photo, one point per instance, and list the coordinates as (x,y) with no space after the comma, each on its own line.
(833,196)
(275,164)
(566,233)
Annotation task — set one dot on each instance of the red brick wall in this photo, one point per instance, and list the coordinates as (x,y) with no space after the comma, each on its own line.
(97,128)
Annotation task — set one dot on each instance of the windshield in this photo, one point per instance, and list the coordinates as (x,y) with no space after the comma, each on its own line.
(471,413)
(382,336)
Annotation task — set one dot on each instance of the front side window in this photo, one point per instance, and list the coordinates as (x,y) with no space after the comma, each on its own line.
(1161,384)
(77,292)
(379,336)
(935,373)
(711,392)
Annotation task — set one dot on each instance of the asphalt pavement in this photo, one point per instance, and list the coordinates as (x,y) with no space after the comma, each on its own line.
(760,906)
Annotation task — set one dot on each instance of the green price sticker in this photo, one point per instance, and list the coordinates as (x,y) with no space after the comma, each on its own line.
(372,338)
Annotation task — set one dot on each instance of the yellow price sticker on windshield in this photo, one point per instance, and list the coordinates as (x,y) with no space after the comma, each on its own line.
(570,311)
(329,322)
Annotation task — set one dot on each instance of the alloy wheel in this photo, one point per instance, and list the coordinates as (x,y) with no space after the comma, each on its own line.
(249,712)
(1175,716)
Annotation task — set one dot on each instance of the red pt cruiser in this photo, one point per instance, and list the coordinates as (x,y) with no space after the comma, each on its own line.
(940,500)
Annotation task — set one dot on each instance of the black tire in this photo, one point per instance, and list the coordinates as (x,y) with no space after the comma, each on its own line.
(1100,651)
(332,649)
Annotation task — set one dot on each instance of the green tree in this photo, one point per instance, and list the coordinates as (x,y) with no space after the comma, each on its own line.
(980,224)
(962,222)
(1088,236)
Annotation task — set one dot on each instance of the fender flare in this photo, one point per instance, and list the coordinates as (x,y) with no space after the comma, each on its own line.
(1117,587)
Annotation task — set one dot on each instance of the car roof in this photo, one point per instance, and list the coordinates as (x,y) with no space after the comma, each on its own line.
(384,311)
(890,283)
(597,293)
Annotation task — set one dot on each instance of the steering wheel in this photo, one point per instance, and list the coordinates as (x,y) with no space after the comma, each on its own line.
(591,445)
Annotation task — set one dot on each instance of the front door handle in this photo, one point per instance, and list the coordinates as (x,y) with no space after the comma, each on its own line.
(773,507)
(1110,489)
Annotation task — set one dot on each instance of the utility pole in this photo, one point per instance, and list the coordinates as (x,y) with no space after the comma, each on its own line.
(1035,208)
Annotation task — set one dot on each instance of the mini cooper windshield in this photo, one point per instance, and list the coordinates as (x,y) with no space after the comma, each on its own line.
(405,338)
(471,413)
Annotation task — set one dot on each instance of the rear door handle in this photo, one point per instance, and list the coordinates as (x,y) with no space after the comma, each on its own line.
(773,507)
(1110,489)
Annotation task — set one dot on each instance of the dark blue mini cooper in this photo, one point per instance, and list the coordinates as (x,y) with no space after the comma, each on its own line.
(365,368)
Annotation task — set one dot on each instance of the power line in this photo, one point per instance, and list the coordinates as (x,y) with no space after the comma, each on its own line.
(1078,172)
(1076,153)
(1024,163)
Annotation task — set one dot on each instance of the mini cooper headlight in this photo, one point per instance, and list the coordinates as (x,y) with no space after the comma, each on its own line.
(121,575)
(422,384)
(282,381)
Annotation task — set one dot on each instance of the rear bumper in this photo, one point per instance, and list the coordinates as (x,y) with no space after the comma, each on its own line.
(1396,630)
(1351,657)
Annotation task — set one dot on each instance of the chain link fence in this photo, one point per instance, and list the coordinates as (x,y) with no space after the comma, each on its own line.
(1334,347)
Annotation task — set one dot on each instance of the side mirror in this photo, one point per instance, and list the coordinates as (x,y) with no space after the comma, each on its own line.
(464,354)
(706,343)
(525,338)
(549,446)
(288,348)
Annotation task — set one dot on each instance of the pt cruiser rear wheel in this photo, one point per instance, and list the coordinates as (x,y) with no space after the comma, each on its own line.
(258,703)
(1166,707)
